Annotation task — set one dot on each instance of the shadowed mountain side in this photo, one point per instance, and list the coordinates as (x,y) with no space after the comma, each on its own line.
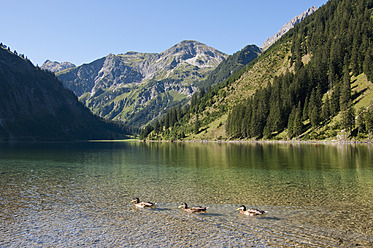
(232,64)
(34,106)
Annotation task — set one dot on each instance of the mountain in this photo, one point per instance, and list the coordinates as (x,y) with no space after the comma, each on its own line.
(314,83)
(232,64)
(34,106)
(136,87)
(287,27)
(54,66)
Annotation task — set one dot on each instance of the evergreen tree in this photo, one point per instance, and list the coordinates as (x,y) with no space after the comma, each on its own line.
(145,132)
(167,120)
(369,121)
(368,65)
(196,125)
(305,110)
(298,125)
(157,126)
(360,121)
(345,95)
(348,119)
(314,109)
(325,114)
(315,117)
(291,123)
(334,101)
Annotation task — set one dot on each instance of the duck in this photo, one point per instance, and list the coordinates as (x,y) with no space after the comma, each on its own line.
(185,208)
(250,211)
(137,203)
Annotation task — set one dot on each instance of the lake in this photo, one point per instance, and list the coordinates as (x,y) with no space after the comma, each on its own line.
(79,194)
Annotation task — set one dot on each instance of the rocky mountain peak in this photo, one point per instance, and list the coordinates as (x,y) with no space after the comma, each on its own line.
(132,85)
(287,27)
(55,66)
(194,53)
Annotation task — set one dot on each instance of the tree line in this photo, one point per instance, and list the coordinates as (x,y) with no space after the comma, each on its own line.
(339,38)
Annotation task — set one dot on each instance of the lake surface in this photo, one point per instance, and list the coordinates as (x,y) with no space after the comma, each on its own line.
(79,194)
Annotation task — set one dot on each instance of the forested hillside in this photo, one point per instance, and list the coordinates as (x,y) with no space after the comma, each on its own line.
(34,106)
(231,65)
(314,83)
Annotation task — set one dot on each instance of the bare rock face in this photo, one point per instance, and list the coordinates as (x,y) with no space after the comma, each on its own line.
(55,66)
(137,87)
(287,27)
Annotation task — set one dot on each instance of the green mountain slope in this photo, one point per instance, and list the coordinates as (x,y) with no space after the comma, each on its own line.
(34,106)
(314,83)
(135,87)
(231,65)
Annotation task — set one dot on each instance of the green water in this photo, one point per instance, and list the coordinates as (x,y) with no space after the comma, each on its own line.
(79,194)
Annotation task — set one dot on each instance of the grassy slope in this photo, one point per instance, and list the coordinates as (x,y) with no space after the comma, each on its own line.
(262,71)
(362,93)
(259,73)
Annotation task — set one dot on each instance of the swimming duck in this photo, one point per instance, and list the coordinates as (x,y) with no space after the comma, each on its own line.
(185,207)
(250,211)
(139,204)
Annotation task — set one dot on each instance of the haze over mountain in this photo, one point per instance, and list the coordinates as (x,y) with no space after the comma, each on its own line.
(137,87)
(34,106)
(289,25)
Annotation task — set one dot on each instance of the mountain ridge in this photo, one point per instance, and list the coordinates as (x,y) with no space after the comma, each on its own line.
(34,106)
(286,27)
(55,66)
(314,83)
(124,86)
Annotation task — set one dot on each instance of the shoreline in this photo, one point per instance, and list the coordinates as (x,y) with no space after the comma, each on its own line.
(327,142)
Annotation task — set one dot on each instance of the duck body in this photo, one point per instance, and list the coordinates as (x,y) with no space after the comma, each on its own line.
(250,211)
(139,204)
(193,209)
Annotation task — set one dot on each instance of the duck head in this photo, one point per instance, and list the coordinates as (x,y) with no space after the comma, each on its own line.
(184,206)
(242,208)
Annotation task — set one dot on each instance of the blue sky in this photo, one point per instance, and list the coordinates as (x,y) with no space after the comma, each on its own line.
(80,31)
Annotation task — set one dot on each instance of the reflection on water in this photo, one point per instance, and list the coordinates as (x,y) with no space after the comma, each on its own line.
(79,194)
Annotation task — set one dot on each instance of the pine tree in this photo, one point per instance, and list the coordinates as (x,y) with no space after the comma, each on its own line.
(157,126)
(315,117)
(325,113)
(196,125)
(348,119)
(345,96)
(314,109)
(369,121)
(334,101)
(360,121)
(305,115)
(368,65)
(291,123)
(298,125)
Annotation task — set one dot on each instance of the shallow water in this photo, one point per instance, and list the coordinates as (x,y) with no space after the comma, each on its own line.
(79,194)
